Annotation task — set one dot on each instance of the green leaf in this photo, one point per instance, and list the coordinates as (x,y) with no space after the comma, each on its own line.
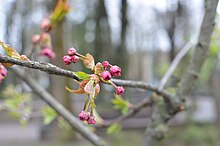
(114,128)
(49,115)
(120,104)
(82,75)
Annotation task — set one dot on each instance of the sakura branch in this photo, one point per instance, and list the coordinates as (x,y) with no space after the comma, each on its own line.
(45,67)
(59,108)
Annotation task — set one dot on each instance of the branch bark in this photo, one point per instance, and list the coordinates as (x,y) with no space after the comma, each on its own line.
(46,67)
(188,81)
(60,109)
(52,69)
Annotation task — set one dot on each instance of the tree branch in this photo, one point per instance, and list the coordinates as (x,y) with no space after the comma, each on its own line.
(187,83)
(59,108)
(174,64)
(142,85)
(46,67)
(52,69)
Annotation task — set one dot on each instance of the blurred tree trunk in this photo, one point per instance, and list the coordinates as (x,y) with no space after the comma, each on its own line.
(215,84)
(58,83)
(103,44)
(122,54)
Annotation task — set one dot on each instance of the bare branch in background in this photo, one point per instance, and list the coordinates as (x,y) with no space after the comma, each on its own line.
(174,64)
(188,80)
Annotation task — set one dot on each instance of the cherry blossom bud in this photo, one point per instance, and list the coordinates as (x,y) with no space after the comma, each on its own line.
(45,24)
(3,71)
(115,70)
(36,39)
(91,120)
(74,59)
(67,60)
(71,51)
(105,64)
(83,116)
(119,90)
(48,52)
(106,75)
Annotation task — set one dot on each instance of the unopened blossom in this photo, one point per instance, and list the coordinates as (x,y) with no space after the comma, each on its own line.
(71,51)
(106,75)
(74,58)
(48,52)
(119,90)
(105,64)
(83,116)
(115,70)
(67,60)
(3,71)
(91,120)
(45,24)
(36,39)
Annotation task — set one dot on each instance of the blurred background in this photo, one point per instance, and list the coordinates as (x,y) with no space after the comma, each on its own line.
(142,37)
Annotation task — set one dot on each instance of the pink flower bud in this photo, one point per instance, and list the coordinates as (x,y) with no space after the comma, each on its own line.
(45,24)
(83,116)
(3,71)
(105,64)
(91,120)
(115,70)
(119,90)
(74,59)
(36,39)
(67,60)
(48,52)
(106,75)
(71,51)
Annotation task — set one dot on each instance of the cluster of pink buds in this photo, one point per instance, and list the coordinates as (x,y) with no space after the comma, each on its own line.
(3,72)
(86,116)
(71,57)
(44,39)
(90,83)
(114,71)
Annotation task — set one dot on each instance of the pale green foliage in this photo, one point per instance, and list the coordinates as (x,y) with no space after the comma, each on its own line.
(17,104)
(49,114)
(120,104)
(114,128)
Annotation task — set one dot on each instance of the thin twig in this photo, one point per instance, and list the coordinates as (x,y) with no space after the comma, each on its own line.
(174,64)
(142,85)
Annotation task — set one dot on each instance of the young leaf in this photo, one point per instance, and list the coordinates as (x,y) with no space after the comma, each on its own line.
(114,128)
(89,61)
(81,75)
(89,88)
(49,115)
(98,68)
(78,91)
(61,9)
(120,104)
(10,51)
